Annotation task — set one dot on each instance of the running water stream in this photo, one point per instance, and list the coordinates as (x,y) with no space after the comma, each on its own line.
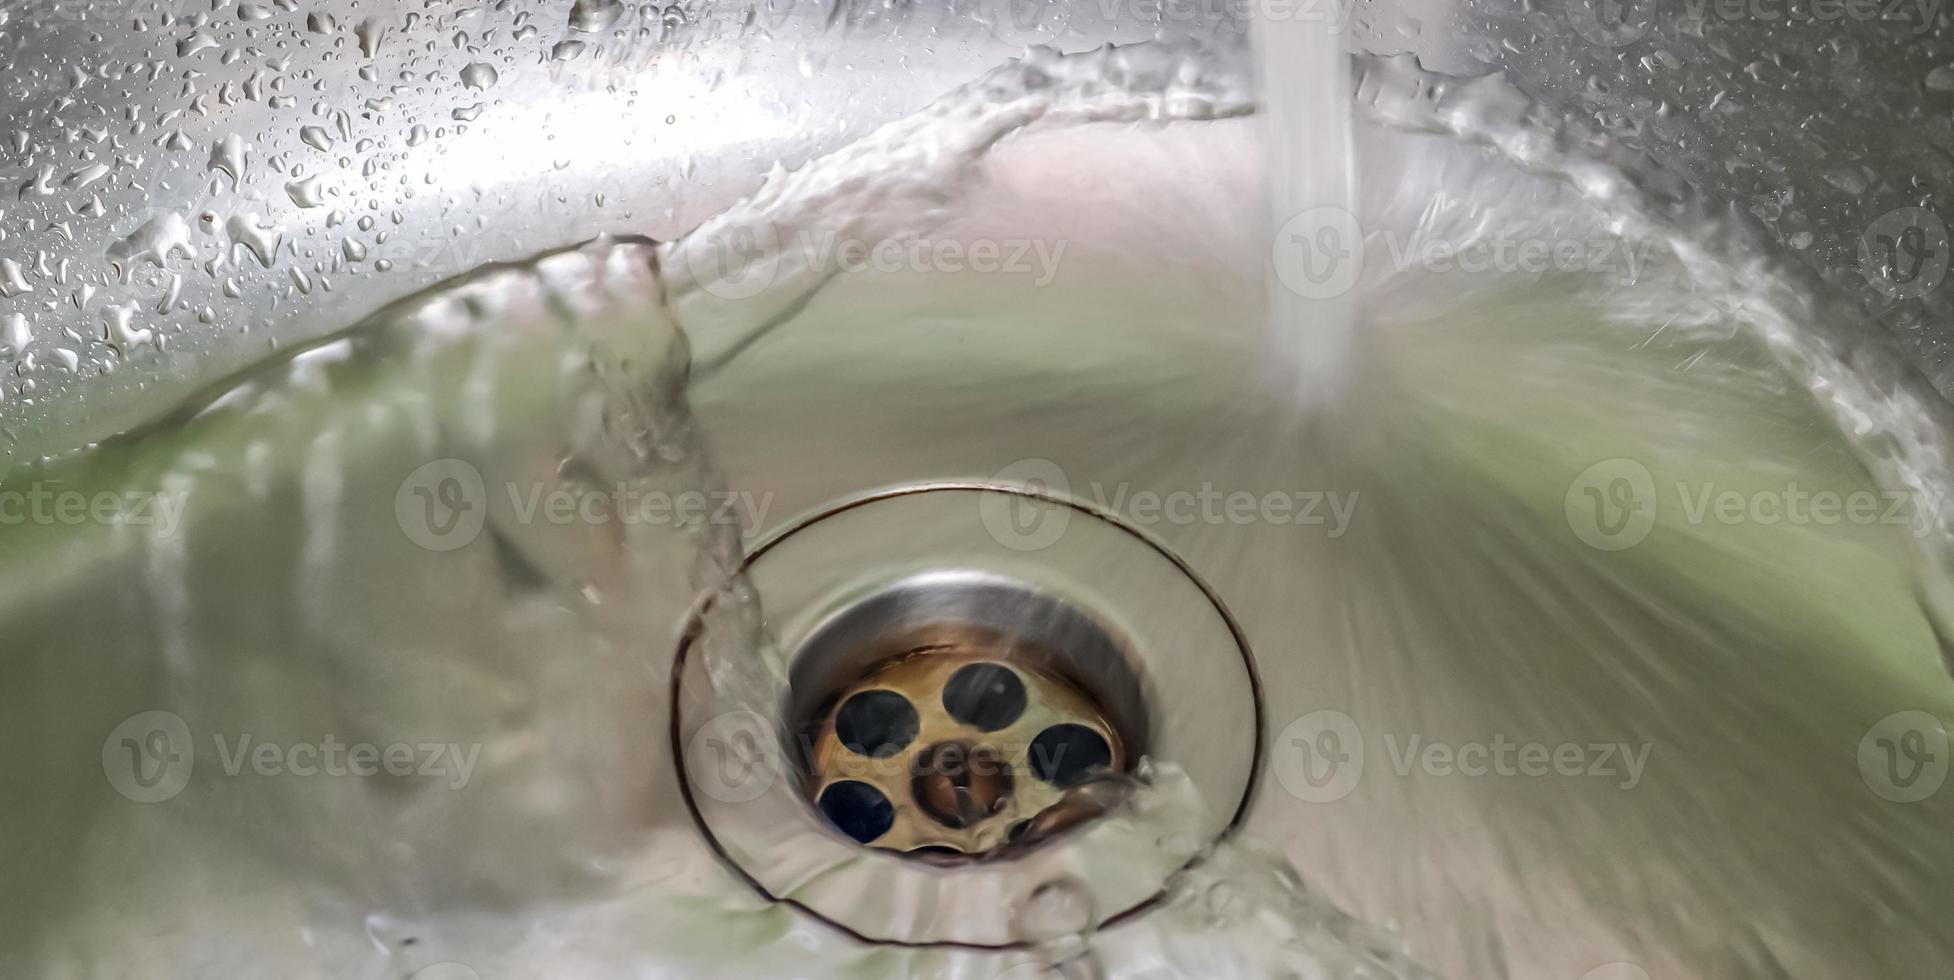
(1317,243)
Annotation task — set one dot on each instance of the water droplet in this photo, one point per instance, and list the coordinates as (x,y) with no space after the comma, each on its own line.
(305,192)
(122,334)
(591,16)
(16,332)
(566,50)
(371,34)
(156,241)
(478,75)
(229,156)
(316,137)
(261,241)
(197,41)
(87,175)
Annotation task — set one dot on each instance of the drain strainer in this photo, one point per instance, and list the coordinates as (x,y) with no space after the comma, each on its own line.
(962,739)
(957,715)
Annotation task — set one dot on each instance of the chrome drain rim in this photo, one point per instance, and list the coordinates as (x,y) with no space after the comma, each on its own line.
(1186,653)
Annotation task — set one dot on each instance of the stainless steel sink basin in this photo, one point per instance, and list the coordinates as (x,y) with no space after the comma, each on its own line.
(457,452)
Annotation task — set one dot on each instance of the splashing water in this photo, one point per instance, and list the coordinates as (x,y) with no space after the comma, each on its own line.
(357,547)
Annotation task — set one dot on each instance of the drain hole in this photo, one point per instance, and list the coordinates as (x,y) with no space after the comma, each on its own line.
(958,786)
(1067,755)
(858,810)
(987,697)
(876,723)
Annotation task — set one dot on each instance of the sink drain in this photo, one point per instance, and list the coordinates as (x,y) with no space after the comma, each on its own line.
(967,733)
(958,718)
